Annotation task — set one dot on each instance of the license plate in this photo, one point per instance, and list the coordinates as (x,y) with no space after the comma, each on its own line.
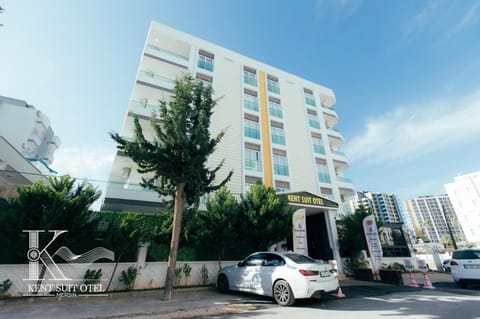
(324,274)
(471,266)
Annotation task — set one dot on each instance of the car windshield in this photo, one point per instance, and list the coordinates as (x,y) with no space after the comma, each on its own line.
(300,259)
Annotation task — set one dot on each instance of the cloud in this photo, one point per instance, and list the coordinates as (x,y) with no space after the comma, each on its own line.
(422,18)
(348,7)
(470,17)
(413,131)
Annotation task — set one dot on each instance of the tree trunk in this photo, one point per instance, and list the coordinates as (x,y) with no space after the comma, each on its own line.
(176,230)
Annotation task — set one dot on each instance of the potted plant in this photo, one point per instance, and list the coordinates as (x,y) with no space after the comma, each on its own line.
(392,274)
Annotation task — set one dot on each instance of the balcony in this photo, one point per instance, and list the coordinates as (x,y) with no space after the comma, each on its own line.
(340,160)
(331,117)
(167,55)
(335,138)
(142,108)
(252,165)
(156,80)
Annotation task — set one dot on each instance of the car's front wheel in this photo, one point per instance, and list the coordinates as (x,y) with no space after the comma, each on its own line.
(222,283)
(282,293)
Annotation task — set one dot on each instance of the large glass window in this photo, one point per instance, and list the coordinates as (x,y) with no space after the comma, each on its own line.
(205,62)
(253,160)
(273,86)
(249,77)
(278,135)
(275,109)
(250,102)
(280,165)
(251,129)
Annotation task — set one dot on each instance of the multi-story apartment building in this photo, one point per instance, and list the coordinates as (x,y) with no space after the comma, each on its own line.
(432,216)
(464,194)
(280,128)
(385,207)
(27,145)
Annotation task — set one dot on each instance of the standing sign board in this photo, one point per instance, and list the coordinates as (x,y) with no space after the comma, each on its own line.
(373,241)
(300,232)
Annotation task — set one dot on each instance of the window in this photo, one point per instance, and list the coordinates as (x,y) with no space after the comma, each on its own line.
(278,134)
(205,60)
(275,108)
(249,181)
(205,79)
(250,101)
(280,163)
(251,128)
(253,159)
(322,171)
(249,76)
(317,142)
(309,98)
(281,187)
(313,120)
(272,84)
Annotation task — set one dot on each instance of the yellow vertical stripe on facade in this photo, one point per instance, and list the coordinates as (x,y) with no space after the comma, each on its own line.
(266,152)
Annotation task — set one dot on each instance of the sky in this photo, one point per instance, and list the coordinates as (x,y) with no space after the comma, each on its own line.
(406,74)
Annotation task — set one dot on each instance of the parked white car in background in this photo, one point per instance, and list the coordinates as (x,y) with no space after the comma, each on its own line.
(285,276)
(465,266)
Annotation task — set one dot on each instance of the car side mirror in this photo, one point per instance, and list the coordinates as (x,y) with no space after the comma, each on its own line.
(241,264)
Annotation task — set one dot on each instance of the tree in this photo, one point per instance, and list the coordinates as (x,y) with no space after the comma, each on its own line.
(62,205)
(217,228)
(178,154)
(351,235)
(267,216)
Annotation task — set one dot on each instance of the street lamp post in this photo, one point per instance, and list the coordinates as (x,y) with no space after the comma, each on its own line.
(447,221)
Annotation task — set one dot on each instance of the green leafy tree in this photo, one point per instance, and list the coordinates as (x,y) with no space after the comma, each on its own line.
(351,236)
(217,228)
(62,205)
(178,154)
(267,217)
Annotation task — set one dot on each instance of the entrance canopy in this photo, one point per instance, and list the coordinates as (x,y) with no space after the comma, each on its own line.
(310,202)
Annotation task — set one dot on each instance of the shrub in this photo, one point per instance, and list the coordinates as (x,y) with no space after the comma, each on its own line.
(92,277)
(186,269)
(4,286)
(128,277)
(204,274)
(178,276)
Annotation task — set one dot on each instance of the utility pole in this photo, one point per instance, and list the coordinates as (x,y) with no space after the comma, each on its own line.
(449,228)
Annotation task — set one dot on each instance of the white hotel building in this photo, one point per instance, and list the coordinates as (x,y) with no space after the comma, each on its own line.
(280,128)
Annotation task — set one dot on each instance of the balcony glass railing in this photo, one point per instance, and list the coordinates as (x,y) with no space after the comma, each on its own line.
(319,149)
(250,80)
(253,165)
(324,178)
(276,112)
(252,132)
(156,76)
(205,63)
(250,105)
(310,101)
(273,87)
(339,153)
(280,169)
(314,123)
(344,179)
(278,139)
(160,50)
(140,104)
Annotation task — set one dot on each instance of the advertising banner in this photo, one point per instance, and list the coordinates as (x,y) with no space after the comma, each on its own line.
(300,232)
(373,241)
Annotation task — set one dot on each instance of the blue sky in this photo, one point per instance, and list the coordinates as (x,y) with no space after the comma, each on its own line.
(406,74)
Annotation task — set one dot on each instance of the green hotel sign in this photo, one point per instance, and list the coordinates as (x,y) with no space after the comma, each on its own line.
(305,198)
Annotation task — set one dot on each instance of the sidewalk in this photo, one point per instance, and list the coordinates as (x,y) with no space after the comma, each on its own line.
(185,303)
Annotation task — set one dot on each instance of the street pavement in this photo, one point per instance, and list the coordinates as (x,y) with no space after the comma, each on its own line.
(194,302)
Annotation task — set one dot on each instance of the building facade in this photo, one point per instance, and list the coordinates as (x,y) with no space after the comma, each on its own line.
(27,145)
(464,194)
(385,207)
(432,216)
(279,127)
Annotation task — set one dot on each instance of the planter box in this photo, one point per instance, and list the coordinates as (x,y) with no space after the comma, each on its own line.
(393,277)
(364,274)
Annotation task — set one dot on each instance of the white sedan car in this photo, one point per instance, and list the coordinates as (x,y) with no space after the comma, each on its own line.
(285,276)
(465,266)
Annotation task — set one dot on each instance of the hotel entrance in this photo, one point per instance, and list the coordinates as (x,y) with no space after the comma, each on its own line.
(314,231)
